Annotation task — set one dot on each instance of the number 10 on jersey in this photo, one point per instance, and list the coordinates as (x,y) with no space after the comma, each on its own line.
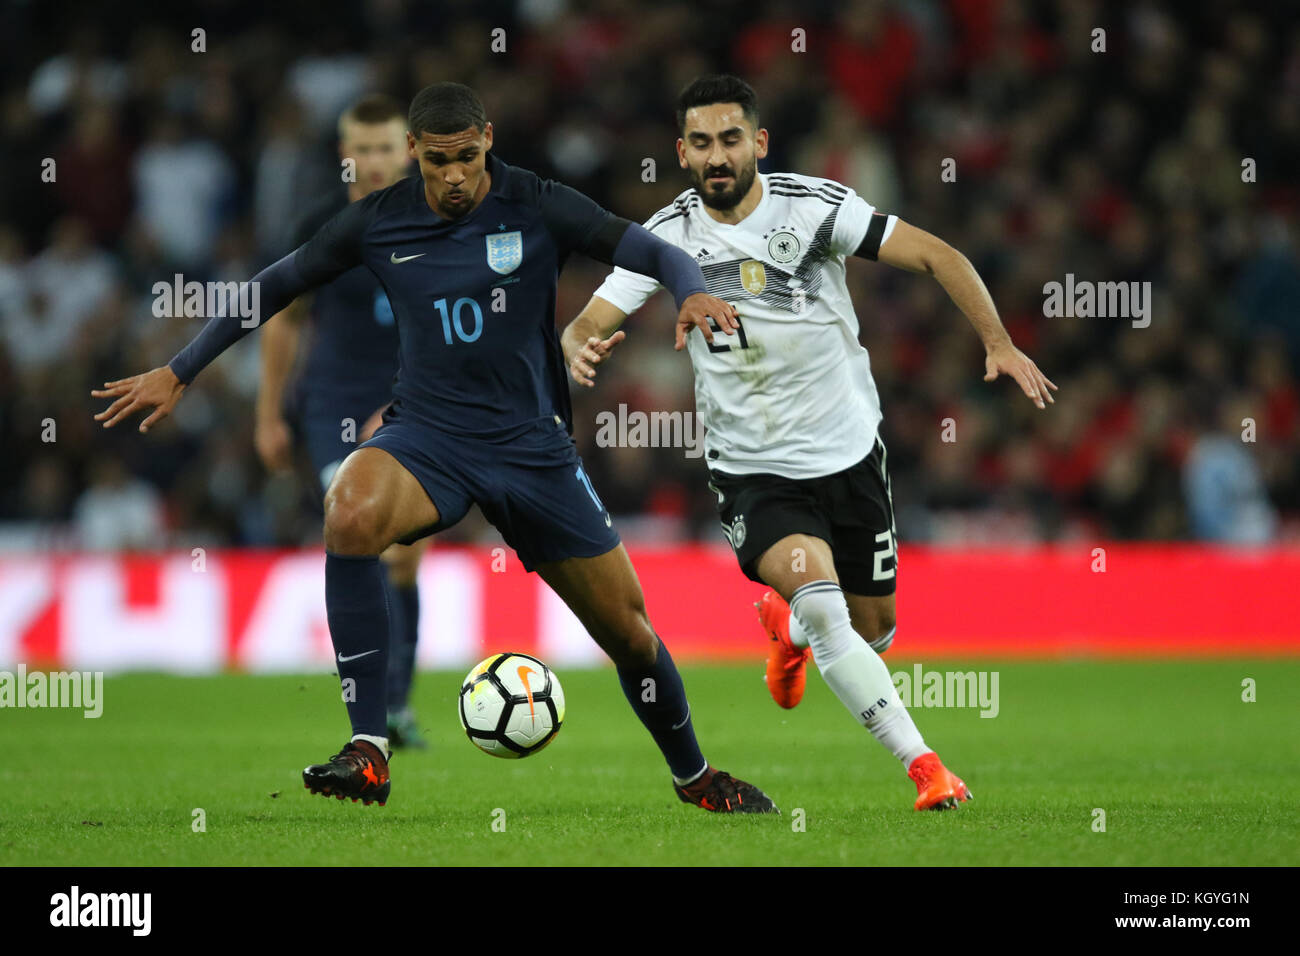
(454,320)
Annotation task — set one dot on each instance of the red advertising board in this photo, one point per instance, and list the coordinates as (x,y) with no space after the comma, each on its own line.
(264,611)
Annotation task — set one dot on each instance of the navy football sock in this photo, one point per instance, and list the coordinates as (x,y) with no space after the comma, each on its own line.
(357,607)
(657,695)
(404,628)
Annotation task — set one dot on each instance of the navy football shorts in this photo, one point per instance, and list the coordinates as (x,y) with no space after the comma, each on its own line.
(532,487)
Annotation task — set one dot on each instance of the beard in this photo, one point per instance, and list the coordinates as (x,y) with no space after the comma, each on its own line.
(727,197)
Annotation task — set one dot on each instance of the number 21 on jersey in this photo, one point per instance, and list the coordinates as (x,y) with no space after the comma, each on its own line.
(740,334)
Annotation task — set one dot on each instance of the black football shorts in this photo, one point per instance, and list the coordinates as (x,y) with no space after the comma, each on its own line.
(851,510)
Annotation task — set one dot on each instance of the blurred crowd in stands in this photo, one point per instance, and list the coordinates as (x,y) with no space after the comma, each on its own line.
(1169,157)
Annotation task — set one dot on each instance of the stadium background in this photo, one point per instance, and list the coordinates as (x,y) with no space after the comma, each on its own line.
(1116,166)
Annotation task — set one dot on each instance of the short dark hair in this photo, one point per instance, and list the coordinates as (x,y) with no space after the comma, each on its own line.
(372,109)
(717,88)
(443,108)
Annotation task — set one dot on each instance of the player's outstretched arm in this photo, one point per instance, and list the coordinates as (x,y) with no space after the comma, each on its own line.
(589,338)
(157,390)
(639,250)
(333,250)
(626,289)
(918,251)
(582,224)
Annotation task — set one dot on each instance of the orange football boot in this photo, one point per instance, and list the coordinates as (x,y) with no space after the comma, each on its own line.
(787,671)
(937,787)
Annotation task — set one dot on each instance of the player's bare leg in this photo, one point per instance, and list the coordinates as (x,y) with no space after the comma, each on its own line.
(372,501)
(801,570)
(793,561)
(873,618)
(604,594)
(403,561)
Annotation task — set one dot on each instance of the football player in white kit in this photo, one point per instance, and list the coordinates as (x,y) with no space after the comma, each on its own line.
(789,404)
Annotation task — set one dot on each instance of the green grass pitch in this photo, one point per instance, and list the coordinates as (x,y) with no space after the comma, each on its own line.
(1186,772)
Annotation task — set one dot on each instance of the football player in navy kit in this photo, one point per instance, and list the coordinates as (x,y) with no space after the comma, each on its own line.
(347,376)
(469,253)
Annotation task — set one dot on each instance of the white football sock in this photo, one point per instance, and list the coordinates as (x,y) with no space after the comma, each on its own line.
(797,635)
(690,780)
(380,742)
(881,644)
(853,670)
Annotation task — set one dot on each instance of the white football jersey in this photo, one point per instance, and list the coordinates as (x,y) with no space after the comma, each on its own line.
(791,392)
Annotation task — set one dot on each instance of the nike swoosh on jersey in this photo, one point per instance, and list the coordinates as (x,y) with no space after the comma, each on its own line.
(395,258)
(353,657)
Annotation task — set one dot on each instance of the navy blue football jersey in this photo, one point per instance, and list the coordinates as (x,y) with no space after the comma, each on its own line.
(473,298)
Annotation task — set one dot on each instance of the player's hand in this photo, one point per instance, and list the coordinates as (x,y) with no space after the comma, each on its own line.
(158,390)
(582,367)
(1006,359)
(274,442)
(696,311)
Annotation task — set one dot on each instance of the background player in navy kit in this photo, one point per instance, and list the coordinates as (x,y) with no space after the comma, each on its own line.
(469,253)
(347,376)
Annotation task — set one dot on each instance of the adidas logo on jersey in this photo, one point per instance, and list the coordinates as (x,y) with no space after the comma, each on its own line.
(704,256)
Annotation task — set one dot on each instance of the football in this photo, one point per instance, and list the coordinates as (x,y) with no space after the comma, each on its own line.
(511,705)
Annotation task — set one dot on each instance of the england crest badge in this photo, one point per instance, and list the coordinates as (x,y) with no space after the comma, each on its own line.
(505,251)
